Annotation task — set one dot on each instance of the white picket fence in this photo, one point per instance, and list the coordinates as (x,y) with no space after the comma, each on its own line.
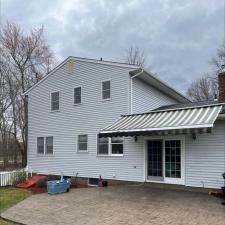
(7,177)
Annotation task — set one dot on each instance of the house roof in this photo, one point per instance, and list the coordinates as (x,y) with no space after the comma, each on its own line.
(146,76)
(162,86)
(192,118)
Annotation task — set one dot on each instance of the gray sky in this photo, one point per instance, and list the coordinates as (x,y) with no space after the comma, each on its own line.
(179,37)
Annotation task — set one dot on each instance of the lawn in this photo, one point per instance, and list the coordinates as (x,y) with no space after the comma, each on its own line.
(10,197)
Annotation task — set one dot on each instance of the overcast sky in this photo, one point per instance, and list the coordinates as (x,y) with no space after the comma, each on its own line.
(178,36)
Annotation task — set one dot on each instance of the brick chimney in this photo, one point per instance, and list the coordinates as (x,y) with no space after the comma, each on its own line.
(221,82)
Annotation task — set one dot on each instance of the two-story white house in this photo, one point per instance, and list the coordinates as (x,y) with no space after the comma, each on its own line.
(92,118)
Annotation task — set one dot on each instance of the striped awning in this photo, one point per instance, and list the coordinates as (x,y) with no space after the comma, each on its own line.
(174,121)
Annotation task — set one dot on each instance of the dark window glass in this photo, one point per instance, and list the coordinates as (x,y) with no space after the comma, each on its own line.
(117,145)
(55,101)
(103,146)
(40,145)
(77,95)
(49,145)
(82,142)
(106,90)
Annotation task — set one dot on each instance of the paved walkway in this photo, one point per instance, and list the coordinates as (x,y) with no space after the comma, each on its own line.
(120,205)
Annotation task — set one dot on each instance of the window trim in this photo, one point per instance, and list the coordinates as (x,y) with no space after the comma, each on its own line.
(106,99)
(77,145)
(57,110)
(110,154)
(81,95)
(45,154)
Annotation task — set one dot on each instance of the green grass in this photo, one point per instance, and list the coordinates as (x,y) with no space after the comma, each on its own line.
(4,222)
(9,197)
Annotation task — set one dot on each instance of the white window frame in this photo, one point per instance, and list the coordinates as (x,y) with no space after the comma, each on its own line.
(81,151)
(56,110)
(106,99)
(110,154)
(81,93)
(45,154)
(181,180)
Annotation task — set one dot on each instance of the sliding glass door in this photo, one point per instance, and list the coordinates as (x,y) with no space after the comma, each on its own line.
(165,161)
(155,160)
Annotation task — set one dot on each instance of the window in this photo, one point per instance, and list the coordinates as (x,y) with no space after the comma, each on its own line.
(117,145)
(82,143)
(103,146)
(77,95)
(45,145)
(40,145)
(110,146)
(54,101)
(106,90)
(173,158)
(49,145)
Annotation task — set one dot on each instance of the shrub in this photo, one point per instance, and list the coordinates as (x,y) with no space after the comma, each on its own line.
(19,177)
(42,183)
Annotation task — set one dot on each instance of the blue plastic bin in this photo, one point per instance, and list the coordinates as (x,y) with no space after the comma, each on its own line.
(58,186)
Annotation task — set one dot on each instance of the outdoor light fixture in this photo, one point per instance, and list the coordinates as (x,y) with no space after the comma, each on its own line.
(135,138)
(194,136)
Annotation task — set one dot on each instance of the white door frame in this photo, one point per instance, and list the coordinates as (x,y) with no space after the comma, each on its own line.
(165,179)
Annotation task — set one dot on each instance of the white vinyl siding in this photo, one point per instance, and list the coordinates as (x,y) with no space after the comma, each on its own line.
(204,157)
(146,97)
(77,95)
(55,101)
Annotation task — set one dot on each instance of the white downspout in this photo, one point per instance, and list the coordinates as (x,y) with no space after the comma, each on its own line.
(131,90)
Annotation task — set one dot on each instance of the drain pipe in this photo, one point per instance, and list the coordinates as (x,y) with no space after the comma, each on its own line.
(131,90)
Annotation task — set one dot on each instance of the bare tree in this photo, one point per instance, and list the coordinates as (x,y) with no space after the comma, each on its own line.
(203,89)
(206,87)
(135,56)
(29,59)
(219,60)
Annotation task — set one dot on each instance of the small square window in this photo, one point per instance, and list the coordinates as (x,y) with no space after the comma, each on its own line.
(82,142)
(54,101)
(106,89)
(77,95)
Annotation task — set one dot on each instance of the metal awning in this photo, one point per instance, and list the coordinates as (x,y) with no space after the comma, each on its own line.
(175,121)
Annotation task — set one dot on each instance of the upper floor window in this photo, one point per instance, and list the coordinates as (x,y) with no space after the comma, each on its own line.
(82,143)
(106,90)
(77,95)
(110,146)
(55,101)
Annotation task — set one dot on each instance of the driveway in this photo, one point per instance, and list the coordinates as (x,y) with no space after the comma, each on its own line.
(119,205)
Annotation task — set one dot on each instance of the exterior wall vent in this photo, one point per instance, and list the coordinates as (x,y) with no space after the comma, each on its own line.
(70,65)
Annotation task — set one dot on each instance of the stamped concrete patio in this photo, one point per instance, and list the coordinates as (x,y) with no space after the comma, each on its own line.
(138,205)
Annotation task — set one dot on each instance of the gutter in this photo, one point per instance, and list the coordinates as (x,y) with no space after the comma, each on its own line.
(131,90)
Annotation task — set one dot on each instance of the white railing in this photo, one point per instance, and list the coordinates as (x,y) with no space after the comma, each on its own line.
(7,178)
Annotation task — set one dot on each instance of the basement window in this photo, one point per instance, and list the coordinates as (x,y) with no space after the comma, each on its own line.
(93,181)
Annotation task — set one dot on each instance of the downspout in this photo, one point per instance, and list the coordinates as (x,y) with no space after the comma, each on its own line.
(131,90)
